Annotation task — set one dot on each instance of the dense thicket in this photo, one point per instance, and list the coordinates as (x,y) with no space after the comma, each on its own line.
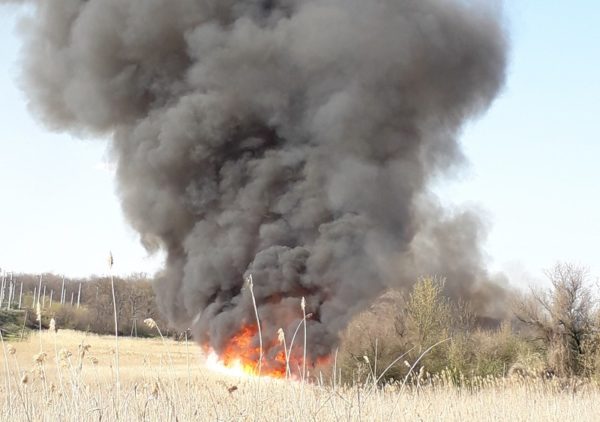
(550,332)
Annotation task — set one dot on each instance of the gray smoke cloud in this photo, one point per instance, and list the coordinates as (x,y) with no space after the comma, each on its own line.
(293,140)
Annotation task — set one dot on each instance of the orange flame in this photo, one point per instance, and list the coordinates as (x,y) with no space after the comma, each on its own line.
(241,356)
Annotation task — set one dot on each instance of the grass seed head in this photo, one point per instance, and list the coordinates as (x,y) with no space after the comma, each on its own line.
(155,390)
(39,358)
(64,354)
(150,323)
(83,348)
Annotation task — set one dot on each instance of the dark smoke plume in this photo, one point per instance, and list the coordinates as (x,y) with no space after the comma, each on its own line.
(293,140)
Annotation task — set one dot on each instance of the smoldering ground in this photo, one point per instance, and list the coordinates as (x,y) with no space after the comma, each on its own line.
(294,140)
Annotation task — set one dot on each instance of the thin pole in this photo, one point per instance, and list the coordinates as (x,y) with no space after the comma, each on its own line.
(39,292)
(24,322)
(72,295)
(2,291)
(21,295)
(62,292)
(14,295)
(51,294)
(79,295)
(33,301)
(112,285)
(44,298)
(10,289)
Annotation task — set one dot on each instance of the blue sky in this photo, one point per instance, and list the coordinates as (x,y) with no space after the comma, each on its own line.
(535,155)
(58,209)
(534,162)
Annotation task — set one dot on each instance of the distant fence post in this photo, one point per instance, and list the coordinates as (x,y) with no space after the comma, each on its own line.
(62,292)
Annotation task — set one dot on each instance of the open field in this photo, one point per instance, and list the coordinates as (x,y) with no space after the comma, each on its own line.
(164,380)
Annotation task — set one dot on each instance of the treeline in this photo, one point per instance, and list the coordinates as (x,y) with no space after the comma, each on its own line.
(422,335)
(83,304)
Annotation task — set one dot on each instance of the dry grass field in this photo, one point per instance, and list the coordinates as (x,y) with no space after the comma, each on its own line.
(74,379)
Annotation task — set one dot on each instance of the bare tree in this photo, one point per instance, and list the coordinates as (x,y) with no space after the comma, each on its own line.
(562,317)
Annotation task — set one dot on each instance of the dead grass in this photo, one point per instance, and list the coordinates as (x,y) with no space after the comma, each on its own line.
(162,381)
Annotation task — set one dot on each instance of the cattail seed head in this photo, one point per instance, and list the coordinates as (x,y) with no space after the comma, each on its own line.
(53,325)
(303,303)
(281,336)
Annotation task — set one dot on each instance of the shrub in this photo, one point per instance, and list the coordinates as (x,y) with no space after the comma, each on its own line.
(564,319)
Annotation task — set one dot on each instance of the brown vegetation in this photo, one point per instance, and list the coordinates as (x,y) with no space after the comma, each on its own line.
(87,304)
(70,376)
(411,355)
(554,333)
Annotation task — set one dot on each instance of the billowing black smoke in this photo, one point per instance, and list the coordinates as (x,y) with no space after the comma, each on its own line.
(293,140)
